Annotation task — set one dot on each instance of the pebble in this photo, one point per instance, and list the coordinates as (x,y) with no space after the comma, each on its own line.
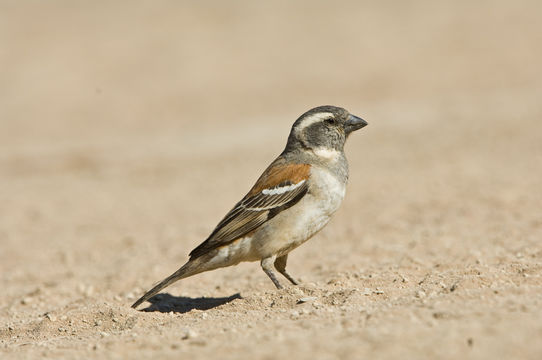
(103,334)
(306,299)
(189,334)
(26,300)
(50,317)
(420,294)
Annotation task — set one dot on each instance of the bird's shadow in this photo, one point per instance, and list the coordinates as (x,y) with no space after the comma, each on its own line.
(166,303)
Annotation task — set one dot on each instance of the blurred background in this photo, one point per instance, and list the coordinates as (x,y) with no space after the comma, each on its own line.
(86,70)
(133,126)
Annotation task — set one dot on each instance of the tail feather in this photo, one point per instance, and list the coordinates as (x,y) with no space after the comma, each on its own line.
(185,271)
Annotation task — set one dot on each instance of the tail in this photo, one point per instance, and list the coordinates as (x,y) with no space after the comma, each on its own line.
(188,269)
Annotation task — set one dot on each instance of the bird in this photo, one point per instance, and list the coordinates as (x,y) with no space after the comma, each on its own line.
(292,200)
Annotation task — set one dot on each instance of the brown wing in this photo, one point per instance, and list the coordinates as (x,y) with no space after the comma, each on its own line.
(279,187)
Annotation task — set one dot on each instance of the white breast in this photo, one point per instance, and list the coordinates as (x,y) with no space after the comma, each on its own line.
(327,189)
(297,224)
(314,210)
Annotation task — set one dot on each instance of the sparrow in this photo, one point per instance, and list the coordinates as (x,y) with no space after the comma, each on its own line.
(292,200)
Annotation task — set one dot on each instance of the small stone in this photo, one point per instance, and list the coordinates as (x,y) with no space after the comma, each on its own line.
(10,328)
(378,292)
(204,316)
(97,322)
(115,320)
(420,294)
(103,334)
(26,300)
(306,299)
(50,316)
(294,314)
(367,292)
(189,334)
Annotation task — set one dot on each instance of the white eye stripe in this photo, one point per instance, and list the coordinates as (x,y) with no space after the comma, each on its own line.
(309,120)
(282,189)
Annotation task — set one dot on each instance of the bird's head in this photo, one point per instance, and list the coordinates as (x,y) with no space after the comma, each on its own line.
(323,130)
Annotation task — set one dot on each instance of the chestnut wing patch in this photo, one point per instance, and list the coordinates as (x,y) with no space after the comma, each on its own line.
(277,189)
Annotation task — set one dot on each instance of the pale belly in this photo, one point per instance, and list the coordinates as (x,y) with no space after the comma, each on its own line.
(299,223)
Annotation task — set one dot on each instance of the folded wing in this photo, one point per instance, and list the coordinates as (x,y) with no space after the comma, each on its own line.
(279,187)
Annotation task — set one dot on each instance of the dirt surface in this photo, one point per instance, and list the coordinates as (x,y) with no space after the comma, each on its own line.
(128,130)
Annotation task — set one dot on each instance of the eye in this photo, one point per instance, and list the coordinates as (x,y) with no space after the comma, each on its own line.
(330,121)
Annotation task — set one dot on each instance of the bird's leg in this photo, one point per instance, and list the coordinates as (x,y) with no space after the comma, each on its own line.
(267,266)
(280,265)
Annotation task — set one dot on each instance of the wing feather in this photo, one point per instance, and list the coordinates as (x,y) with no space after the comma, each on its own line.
(276,190)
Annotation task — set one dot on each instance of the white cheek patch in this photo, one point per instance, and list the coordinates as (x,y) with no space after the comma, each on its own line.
(309,120)
(329,154)
(282,189)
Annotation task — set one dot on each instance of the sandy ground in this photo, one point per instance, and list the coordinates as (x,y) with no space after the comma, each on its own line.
(127,130)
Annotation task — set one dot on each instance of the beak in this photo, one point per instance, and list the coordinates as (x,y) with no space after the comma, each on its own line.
(354,123)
